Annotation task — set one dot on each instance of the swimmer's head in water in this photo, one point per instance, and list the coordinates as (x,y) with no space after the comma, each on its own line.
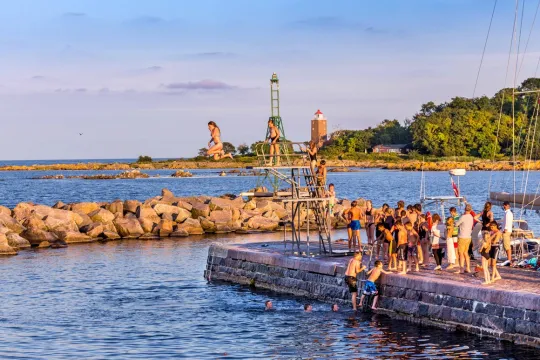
(335,307)
(268,305)
(378,263)
(308,307)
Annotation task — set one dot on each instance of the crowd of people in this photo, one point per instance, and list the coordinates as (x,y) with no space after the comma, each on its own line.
(405,239)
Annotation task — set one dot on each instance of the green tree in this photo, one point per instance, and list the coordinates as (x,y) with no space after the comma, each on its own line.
(144,159)
(229,148)
(202,152)
(243,149)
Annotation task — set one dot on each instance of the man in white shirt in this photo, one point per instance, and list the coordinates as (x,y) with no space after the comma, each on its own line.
(508,219)
(465,225)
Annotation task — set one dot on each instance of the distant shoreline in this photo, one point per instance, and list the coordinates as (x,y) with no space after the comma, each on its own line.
(338,165)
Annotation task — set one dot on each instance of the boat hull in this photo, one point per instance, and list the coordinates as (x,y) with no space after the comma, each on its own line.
(519,200)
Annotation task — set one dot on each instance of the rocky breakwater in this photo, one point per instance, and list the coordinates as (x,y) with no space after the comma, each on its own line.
(162,216)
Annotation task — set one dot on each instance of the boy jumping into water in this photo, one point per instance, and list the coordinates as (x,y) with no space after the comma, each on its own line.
(353,269)
(273,140)
(369,287)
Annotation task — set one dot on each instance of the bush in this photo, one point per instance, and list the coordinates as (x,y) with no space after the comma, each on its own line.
(144,159)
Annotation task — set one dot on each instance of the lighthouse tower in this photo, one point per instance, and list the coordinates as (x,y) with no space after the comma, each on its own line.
(319,132)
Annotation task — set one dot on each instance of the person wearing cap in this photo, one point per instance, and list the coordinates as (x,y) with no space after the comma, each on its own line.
(508,219)
(465,226)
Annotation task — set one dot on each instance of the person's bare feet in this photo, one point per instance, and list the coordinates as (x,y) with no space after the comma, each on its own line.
(417,269)
(486,283)
(373,308)
(402,273)
(496,278)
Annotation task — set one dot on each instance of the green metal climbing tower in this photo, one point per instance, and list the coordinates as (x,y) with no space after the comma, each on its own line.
(274,107)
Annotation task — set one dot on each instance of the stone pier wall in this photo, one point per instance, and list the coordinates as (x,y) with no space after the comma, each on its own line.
(452,305)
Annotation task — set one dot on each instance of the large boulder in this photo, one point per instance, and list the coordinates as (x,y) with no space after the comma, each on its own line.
(22,210)
(248,214)
(93,230)
(5,210)
(60,205)
(164,228)
(128,227)
(36,236)
(101,216)
(207,225)
(221,216)
(261,223)
(10,223)
(5,249)
(250,205)
(43,211)
(57,225)
(179,233)
(165,208)
(71,237)
(191,226)
(144,212)
(33,221)
(148,224)
(110,235)
(131,206)
(264,205)
(84,207)
(16,241)
(226,204)
(116,206)
(200,209)
(166,193)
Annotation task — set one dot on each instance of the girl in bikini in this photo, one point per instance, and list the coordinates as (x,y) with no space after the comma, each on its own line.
(217,149)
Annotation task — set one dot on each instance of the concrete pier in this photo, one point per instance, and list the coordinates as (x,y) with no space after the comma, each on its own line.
(507,310)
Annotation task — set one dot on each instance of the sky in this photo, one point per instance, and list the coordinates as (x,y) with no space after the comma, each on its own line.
(144,77)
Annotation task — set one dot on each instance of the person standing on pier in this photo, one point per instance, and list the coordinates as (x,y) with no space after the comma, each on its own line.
(369,220)
(465,225)
(438,231)
(450,249)
(321,174)
(353,269)
(273,140)
(495,240)
(353,216)
(401,248)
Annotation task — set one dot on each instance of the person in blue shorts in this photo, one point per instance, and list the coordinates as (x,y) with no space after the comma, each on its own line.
(369,286)
(353,216)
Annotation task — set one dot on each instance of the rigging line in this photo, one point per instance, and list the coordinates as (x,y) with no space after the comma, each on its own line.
(529,37)
(485,46)
(502,101)
(530,161)
(514,107)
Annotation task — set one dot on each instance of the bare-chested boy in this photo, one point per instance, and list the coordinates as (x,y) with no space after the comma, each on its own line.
(369,286)
(353,269)
(412,246)
(402,248)
(353,216)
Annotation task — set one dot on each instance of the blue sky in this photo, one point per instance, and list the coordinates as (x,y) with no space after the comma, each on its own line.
(144,77)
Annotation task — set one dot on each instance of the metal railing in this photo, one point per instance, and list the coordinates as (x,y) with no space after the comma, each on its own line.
(290,154)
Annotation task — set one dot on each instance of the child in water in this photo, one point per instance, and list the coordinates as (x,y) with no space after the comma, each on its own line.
(369,287)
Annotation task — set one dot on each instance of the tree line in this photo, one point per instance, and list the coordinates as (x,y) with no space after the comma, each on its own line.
(479,127)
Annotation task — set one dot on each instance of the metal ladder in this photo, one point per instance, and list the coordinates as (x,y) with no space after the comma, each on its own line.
(319,209)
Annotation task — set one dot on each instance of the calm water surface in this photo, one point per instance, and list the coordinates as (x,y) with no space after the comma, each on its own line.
(148,299)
